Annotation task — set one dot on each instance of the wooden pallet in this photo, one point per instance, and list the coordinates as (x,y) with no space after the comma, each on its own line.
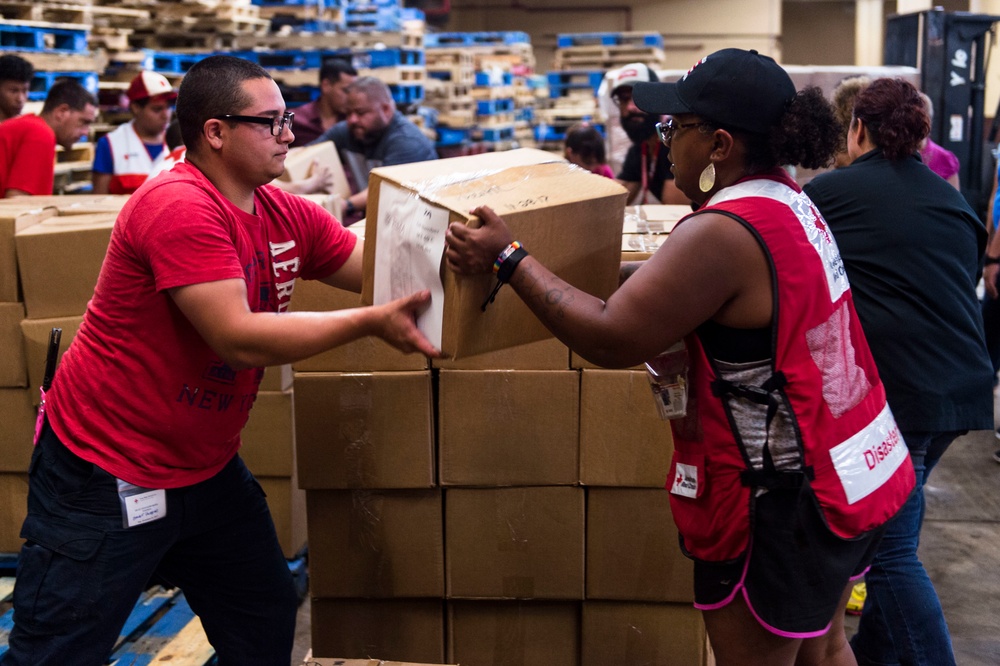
(607,57)
(162,628)
(53,12)
(62,62)
(308,41)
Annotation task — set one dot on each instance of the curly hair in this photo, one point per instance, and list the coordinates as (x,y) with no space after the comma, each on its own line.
(844,96)
(894,116)
(808,136)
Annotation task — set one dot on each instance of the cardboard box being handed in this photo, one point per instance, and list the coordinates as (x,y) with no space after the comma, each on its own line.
(567,217)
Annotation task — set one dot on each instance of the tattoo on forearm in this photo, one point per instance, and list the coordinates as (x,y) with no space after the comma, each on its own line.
(553,297)
(626,270)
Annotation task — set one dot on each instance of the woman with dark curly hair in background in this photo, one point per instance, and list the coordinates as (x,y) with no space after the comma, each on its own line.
(912,248)
(769,484)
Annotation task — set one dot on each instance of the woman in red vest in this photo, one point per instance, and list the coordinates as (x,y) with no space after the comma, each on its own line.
(787,462)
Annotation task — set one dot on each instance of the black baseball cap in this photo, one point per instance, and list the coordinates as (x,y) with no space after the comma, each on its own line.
(732,87)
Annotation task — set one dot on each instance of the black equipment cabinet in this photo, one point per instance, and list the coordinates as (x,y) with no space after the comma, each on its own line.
(950,49)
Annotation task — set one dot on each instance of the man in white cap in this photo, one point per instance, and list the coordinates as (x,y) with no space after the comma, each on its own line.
(125,157)
(645,171)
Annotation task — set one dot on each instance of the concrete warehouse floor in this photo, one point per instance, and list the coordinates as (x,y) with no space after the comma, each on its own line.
(960,548)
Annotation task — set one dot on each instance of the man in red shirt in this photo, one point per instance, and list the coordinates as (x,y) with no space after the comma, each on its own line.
(136,469)
(15,81)
(28,143)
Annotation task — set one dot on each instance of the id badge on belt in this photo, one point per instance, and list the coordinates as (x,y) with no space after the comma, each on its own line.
(668,378)
(141,505)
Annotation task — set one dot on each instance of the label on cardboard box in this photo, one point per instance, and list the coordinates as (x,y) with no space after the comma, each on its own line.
(409,256)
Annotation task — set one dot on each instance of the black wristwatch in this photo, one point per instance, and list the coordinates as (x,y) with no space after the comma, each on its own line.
(349,208)
(991,260)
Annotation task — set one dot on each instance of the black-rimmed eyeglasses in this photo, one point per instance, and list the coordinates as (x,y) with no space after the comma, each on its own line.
(277,123)
(666,130)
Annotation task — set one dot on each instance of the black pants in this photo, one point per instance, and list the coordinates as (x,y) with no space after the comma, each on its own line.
(80,572)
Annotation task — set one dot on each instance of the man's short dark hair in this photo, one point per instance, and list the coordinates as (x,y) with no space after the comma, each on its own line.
(15,68)
(213,87)
(69,92)
(334,68)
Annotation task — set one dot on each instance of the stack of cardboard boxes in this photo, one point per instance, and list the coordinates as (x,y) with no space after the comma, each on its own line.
(502,506)
(52,250)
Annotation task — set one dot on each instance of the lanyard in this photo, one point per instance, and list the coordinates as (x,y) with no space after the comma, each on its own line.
(648,168)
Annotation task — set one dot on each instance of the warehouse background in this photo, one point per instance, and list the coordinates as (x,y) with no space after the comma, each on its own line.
(429,538)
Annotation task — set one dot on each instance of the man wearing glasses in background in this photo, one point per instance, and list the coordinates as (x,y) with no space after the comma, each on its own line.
(124,157)
(136,470)
(645,171)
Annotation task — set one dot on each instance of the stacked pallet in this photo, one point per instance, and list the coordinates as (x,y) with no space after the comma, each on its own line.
(608,50)
(572,99)
(387,45)
(306,15)
(451,74)
(478,86)
(581,62)
(205,25)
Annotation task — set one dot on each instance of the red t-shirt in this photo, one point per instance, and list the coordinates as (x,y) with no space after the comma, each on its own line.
(139,393)
(27,155)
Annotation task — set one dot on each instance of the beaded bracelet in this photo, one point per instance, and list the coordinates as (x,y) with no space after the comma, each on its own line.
(504,268)
(502,257)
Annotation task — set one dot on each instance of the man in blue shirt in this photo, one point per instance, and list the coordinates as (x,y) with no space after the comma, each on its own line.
(374,134)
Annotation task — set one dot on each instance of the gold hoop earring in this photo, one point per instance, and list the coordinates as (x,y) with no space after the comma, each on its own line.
(707,180)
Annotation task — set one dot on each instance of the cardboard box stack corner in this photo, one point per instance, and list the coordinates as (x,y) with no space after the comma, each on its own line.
(494,494)
(51,249)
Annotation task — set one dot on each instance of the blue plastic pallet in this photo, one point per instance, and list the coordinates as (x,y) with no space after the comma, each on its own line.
(451,136)
(42,82)
(171,63)
(406,94)
(371,18)
(374,3)
(494,78)
(561,82)
(296,59)
(450,39)
(546,132)
(313,25)
(34,38)
(412,14)
(487,107)
(375,58)
(497,133)
(566,40)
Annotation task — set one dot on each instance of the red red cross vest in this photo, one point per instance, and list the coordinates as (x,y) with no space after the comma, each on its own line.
(853,458)
(131,162)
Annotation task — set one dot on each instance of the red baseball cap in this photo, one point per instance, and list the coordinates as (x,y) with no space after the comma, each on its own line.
(150,84)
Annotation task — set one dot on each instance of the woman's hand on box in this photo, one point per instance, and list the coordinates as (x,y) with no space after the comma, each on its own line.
(469,250)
